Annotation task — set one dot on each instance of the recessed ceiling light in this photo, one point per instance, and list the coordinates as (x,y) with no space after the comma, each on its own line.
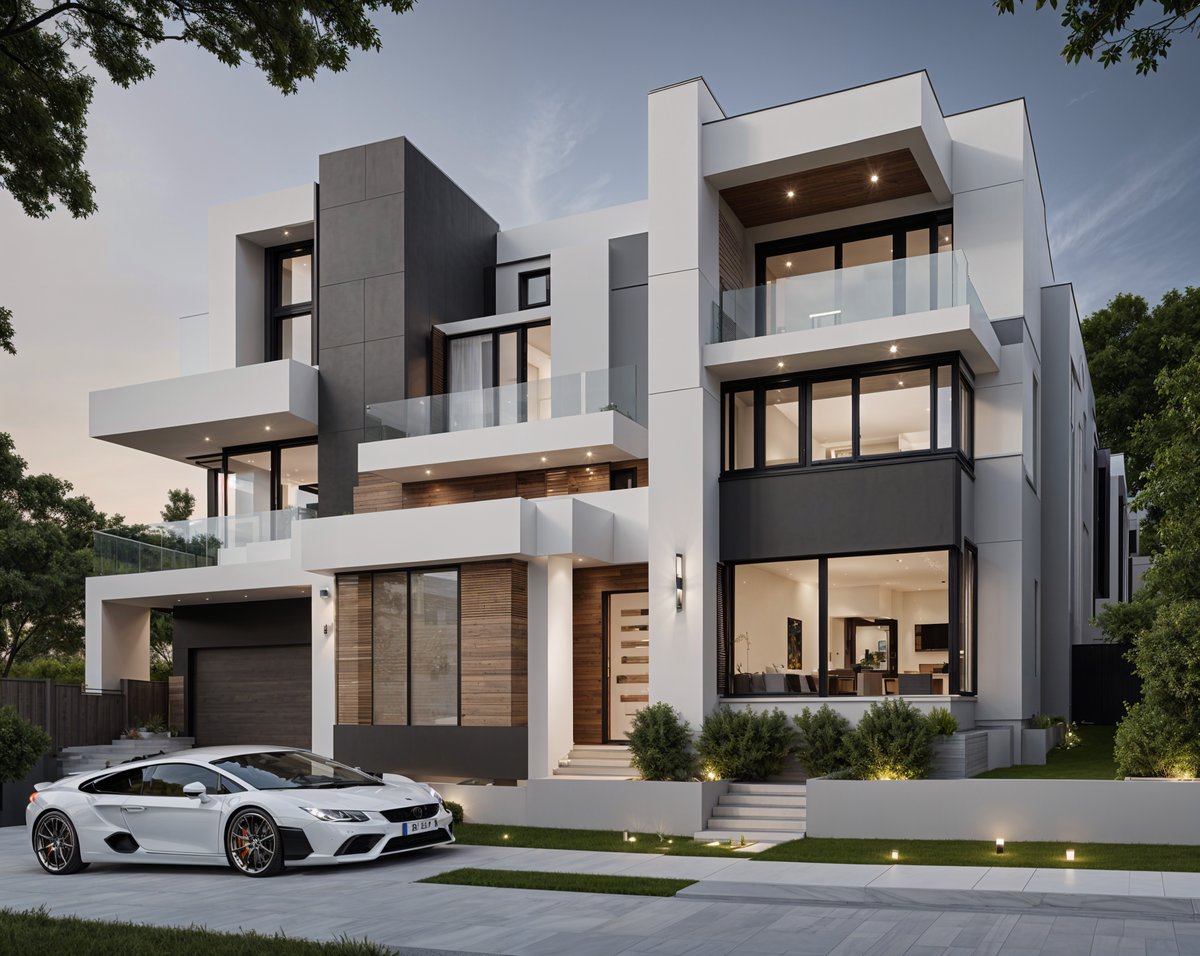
(543,459)
(900,383)
(267,428)
(781,365)
(286,233)
(874,177)
(206,438)
(894,349)
(429,471)
(788,263)
(791,194)
(589,454)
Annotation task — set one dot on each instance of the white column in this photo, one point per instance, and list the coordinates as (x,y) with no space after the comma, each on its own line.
(551,664)
(117,642)
(684,411)
(324,666)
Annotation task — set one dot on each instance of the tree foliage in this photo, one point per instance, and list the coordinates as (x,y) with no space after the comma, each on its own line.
(47,51)
(1104,30)
(21,744)
(180,505)
(45,555)
(1128,344)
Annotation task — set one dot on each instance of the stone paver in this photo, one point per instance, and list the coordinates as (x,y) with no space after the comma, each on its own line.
(382,902)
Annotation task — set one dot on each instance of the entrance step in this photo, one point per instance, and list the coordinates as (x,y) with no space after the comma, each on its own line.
(597,760)
(721,811)
(762,800)
(759,813)
(755,836)
(770,789)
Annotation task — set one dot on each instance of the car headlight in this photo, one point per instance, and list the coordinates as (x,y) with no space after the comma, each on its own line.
(337,816)
(436,796)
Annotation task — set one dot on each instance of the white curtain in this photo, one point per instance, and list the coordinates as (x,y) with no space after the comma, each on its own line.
(470,374)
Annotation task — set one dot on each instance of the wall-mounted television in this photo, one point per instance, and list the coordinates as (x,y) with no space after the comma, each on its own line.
(932,637)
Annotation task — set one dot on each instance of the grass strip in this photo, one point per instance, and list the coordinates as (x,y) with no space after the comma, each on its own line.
(1088,856)
(564,882)
(1091,760)
(36,933)
(610,841)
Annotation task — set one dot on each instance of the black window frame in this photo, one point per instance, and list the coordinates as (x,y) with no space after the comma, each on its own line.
(275,449)
(91,785)
(961,387)
(522,330)
(523,278)
(277,313)
(616,477)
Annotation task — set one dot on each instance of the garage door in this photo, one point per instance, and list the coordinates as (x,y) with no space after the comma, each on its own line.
(252,695)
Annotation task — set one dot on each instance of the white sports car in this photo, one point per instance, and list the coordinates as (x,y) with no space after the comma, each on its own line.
(254,808)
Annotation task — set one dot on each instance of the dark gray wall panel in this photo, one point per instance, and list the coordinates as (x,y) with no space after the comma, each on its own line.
(628,262)
(362,239)
(337,465)
(384,306)
(384,370)
(340,388)
(436,753)
(343,177)
(384,167)
(342,314)
(886,507)
(628,341)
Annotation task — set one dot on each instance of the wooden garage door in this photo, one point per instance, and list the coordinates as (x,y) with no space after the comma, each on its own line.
(252,695)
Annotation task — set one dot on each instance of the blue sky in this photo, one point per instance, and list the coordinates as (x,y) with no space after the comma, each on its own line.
(538,109)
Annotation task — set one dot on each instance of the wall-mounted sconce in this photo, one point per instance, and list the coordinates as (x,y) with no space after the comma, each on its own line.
(326,630)
(678,582)
(324,592)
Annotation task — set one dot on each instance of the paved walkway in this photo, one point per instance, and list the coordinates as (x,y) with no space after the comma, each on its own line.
(723,913)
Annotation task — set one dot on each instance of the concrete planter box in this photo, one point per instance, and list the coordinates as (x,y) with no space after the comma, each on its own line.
(962,754)
(636,805)
(1067,811)
(1036,742)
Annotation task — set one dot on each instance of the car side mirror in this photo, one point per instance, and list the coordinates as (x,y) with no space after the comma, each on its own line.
(196,789)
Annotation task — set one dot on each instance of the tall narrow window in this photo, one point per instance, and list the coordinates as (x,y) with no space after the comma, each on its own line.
(969,622)
(782,426)
(739,425)
(433,633)
(832,421)
(290,333)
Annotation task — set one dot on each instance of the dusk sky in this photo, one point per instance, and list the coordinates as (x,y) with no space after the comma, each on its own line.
(538,109)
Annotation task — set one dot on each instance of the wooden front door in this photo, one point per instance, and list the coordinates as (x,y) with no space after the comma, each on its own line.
(628,665)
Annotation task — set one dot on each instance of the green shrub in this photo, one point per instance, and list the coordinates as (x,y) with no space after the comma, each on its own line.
(745,744)
(660,744)
(154,724)
(1046,721)
(1150,744)
(941,722)
(821,743)
(456,811)
(893,741)
(21,744)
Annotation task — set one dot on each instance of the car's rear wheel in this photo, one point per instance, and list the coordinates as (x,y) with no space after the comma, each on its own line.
(56,844)
(253,844)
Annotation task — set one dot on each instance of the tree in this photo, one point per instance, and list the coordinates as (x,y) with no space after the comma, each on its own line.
(1101,29)
(46,87)
(1128,344)
(180,505)
(21,744)
(45,555)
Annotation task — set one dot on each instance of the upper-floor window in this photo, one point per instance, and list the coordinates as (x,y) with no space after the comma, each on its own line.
(848,415)
(290,332)
(533,289)
(515,362)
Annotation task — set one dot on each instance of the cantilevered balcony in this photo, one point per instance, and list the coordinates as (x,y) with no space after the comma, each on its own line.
(198,543)
(920,305)
(592,416)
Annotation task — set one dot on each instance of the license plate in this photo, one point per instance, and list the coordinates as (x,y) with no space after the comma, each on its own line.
(419,826)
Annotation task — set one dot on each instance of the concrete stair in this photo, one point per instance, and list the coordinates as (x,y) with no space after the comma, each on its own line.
(101,756)
(761,812)
(599,760)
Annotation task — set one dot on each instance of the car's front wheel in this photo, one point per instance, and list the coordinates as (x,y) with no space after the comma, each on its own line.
(253,844)
(56,844)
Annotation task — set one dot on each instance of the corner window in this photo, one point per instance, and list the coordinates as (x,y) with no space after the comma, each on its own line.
(290,331)
(533,289)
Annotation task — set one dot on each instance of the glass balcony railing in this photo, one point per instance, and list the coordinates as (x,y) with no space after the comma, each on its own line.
(171,545)
(877,290)
(603,390)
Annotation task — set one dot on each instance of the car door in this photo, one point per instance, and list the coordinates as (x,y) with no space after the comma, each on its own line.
(107,797)
(164,820)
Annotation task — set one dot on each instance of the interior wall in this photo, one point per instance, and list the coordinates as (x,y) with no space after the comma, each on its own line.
(919,607)
(767,601)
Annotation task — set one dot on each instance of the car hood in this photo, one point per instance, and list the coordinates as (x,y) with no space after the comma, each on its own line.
(385,796)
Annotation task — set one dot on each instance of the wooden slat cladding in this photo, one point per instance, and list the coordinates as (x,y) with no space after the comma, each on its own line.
(729,256)
(544,483)
(374,493)
(494,621)
(589,585)
(840,186)
(456,491)
(353,635)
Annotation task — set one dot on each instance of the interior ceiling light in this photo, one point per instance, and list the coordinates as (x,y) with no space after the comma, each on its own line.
(874,177)
(791,194)
(894,349)
(788,263)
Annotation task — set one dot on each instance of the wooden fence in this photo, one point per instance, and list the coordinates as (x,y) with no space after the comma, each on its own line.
(75,719)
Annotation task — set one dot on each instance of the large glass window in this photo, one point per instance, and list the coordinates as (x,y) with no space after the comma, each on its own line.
(832,420)
(270,478)
(298,477)
(898,409)
(389,654)
(515,363)
(248,485)
(433,631)
(776,630)
(893,412)
(290,331)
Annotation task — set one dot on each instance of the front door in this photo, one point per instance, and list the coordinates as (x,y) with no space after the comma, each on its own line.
(628,660)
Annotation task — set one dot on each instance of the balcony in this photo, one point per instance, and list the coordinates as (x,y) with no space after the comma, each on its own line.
(921,305)
(199,543)
(193,415)
(591,416)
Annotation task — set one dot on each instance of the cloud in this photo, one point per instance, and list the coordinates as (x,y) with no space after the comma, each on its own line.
(1080,98)
(539,164)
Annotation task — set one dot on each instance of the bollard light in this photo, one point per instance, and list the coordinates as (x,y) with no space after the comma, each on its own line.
(999,846)
(1070,856)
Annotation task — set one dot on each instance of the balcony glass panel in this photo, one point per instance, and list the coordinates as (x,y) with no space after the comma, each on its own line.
(603,390)
(171,545)
(795,302)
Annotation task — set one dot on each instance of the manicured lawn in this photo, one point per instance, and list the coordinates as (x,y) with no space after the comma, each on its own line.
(34,933)
(550,838)
(568,882)
(1088,856)
(1091,760)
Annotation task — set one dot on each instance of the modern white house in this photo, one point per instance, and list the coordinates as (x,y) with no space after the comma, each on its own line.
(810,423)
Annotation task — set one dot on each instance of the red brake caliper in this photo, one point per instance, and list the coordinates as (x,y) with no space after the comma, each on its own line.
(245,841)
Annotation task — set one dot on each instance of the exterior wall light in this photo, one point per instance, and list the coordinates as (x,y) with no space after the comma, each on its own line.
(895,854)
(999,847)
(678,582)
(324,592)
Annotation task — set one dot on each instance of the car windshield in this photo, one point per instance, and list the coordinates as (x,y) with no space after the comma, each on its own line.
(292,769)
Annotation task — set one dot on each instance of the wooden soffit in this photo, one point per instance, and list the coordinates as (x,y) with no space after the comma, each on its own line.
(827,189)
